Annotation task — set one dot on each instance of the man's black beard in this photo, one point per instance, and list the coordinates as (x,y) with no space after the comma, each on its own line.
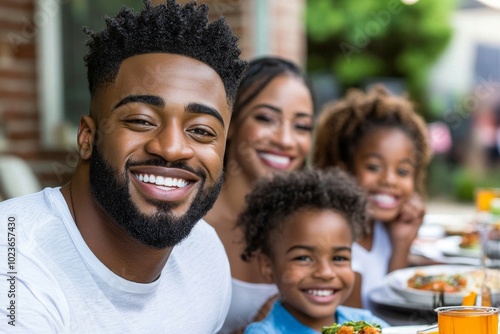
(161,229)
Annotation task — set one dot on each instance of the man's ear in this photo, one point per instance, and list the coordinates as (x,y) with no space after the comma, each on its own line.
(266,267)
(86,136)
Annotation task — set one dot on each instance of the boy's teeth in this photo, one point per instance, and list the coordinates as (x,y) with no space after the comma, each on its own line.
(320,293)
(162,181)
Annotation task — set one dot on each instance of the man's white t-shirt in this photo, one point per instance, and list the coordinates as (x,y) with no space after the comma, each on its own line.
(372,265)
(61,287)
(247,299)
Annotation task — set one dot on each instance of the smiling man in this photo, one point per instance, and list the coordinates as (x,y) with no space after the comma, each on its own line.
(122,248)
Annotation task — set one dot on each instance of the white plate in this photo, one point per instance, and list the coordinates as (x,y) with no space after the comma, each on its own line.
(403,329)
(398,281)
(406,329)
(387,297)
(450,246)
(449,222)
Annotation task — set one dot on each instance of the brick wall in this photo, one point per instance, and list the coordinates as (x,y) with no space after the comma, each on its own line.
(19,103)
(286,35)
(287,27)
(18,97)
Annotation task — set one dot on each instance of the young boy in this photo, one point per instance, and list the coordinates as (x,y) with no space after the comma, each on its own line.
(301,226)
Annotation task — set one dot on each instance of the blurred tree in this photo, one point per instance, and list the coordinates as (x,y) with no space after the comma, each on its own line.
(363,39)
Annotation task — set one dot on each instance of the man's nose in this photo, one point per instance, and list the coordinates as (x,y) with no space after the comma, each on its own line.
(171,143)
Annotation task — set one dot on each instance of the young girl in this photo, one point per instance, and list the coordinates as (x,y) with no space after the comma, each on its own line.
(270,131)
(380,140)
(300,226)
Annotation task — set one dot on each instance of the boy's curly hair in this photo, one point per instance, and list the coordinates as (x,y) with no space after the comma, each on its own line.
(342,124)
(274,199)
(165,28)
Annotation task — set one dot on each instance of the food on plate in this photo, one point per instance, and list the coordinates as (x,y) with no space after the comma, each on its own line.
(466,281)
(442,282)
(476,278)
(353,327)
(470,240)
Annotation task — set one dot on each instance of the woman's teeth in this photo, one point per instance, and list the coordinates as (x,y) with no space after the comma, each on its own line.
(162,181)
(277,159)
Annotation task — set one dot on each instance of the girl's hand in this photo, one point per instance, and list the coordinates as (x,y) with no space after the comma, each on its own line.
(404,229)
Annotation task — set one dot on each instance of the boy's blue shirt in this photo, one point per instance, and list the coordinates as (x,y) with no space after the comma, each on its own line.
(280,321)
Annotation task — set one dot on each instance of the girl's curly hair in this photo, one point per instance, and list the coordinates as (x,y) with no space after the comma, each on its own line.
(274,199)
(165,28)
(342,124)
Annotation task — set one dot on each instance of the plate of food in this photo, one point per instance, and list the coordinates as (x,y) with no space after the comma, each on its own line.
(466,245)
(387,297)
(353,327)
(421,284)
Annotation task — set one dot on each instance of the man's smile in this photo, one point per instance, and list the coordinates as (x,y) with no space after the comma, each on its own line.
(162,181)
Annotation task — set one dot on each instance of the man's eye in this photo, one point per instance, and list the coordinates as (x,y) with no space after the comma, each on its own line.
(200,132)
(139,122)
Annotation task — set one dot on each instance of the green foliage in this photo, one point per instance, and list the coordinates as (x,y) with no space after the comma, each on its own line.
(465,181)
(384,38)
(445,180)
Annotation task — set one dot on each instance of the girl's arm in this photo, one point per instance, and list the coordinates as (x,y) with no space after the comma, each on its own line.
(404,229)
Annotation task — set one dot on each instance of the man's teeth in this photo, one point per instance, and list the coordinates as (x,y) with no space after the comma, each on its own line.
(384,199)
(162,181)
(320,293)
(278,159)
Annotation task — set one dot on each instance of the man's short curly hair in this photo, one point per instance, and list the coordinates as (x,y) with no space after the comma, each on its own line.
(343,123)
(164,28)
(275,199)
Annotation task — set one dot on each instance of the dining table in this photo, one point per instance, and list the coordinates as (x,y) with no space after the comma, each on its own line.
(433,248)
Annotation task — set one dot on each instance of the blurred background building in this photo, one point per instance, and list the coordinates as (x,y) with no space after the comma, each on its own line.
(446,53)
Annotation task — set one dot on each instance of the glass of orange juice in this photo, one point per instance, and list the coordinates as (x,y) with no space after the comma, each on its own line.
(467,319)
(487,200)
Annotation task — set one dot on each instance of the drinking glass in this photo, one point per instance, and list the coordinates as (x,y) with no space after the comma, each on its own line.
(467,319)
(488,219)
